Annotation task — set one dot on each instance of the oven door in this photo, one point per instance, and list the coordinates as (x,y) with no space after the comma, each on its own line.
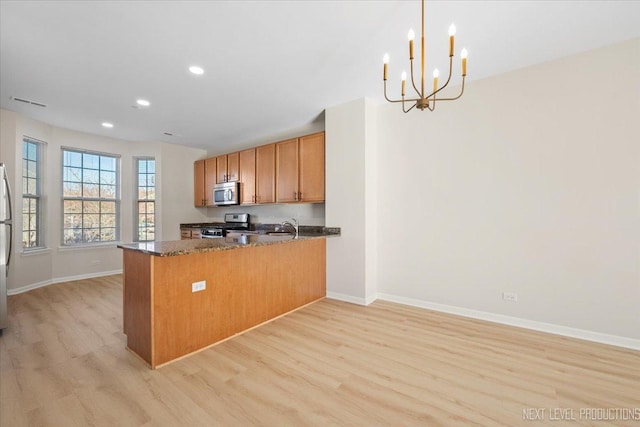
(227,193)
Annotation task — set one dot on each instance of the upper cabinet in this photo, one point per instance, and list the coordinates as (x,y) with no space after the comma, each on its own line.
(311,167)
(265,174)
(204,179)
(290,171)
(248,176)
(233,167)
(227,167)
(300,169)
(209,180)
(287,171)
(199,198)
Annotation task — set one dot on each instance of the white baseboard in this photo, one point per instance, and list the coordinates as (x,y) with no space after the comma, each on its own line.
(60,280)
(633,344)
(349,298)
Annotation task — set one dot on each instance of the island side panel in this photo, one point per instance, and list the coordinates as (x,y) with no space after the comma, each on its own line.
(244,287)
(137,302)
(297,276)
(186,321)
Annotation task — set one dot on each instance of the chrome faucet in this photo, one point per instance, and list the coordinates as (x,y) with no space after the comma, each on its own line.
(293,225)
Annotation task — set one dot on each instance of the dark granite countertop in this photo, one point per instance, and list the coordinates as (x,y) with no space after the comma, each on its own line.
(233,241)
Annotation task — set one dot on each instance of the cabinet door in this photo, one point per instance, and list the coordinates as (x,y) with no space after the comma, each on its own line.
(209,180)
(221,166)
(265,173)
(233,172)
(199,198)
(247,176)
(287,171)
(311,163)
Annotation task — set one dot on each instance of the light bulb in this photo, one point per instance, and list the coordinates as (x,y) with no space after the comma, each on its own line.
(436,73)
(143,102)
(403,76)
(452,30)
(385,58)
(411,35)
(107,125)
(463,55)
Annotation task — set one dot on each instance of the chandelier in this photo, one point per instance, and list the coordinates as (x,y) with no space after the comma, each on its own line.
(422,100)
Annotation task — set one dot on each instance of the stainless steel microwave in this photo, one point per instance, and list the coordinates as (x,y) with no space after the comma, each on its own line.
(226,193)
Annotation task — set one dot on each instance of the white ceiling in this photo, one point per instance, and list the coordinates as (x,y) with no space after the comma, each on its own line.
(269,65)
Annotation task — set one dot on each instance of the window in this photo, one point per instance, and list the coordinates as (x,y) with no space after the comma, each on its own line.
(146,200)
(31,185)
(90,197)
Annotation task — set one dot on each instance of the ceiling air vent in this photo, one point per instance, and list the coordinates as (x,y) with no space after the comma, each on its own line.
(27,101)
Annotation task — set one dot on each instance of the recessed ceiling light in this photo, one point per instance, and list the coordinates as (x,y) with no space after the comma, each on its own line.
(107,125)
(143,102)
(196,70)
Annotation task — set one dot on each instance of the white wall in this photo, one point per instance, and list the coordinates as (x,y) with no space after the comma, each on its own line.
(177,190)
(55,263)
(350,198)
(529,184)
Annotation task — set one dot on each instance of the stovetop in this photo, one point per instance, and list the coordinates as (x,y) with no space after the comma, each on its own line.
(232,222)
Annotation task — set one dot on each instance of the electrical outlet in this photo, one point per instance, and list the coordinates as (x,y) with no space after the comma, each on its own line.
(510,296)
(198,286)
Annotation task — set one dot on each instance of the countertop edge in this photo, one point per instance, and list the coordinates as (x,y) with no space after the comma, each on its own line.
(187,247)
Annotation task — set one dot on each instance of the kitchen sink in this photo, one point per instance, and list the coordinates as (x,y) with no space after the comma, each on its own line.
(279,233)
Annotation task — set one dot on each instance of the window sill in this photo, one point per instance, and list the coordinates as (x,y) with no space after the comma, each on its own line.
(85,246)
(36,251)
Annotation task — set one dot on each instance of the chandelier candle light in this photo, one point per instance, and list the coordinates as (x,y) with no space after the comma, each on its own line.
(423,101)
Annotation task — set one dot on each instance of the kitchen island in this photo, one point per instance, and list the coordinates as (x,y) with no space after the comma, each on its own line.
(183,296)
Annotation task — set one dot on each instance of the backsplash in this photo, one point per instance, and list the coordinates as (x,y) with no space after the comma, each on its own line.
(305,213)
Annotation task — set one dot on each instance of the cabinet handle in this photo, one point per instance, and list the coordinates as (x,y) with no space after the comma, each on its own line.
(295,195)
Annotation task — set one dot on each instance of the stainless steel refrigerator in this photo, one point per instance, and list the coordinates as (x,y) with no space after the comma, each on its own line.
(6,236)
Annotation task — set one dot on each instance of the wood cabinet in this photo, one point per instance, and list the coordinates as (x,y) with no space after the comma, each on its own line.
(265,174)
(227,167)
(209,179)
(248,176)
(300,169)
(289,171)
(199,198)
(233,167)
(311,163)
(204,179)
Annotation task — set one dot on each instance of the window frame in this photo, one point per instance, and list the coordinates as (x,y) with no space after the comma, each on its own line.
(137,200)
(116,200)
(37,197)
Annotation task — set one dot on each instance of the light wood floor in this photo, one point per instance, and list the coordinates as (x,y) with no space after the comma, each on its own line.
(63,363)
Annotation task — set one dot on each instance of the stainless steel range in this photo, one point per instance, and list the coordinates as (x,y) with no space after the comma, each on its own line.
(231,222)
